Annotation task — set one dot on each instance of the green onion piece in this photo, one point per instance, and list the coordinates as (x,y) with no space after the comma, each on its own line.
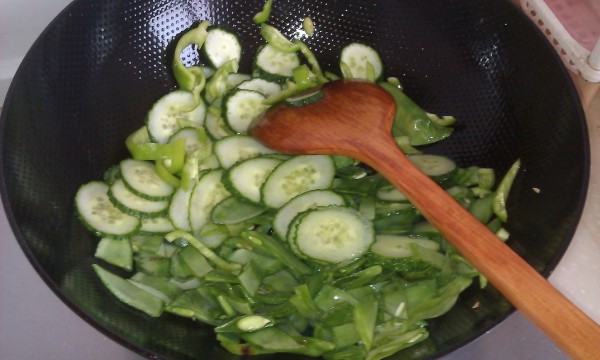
(264,14)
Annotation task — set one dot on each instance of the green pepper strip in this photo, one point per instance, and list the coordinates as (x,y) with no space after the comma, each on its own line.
(165,175)
(503,189)
(412,121)
(304,79)
(217,84)
(190,78)
(263,15)
(190,170)
(312,61)
(276,39)
(148,151)
(155,151)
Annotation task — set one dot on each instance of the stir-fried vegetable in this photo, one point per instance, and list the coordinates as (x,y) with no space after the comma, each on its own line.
(315,255)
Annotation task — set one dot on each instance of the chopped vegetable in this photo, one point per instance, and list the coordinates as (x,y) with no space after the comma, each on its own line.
(312,254)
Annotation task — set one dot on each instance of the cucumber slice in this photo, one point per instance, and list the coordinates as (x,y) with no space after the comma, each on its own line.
(179,209)
(98,214)
(215,127)
(390,193)
(440,168)
(333,234)
(246,178)
(295,176)
(241,107)
(190,134)
(398,246)
(156,226)
(221,46)
(357,56)
(235,79)
(304,98)
(163,119)
(141,178)
(130,294)
(275,65)
(267,88)
(236,148)
(207,193)
(129,203)
(301,203)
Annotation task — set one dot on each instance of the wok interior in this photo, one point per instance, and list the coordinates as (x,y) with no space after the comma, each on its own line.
(89,80)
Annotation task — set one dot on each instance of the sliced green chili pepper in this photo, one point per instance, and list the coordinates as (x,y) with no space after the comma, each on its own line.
(263,15)
(217,84)
(501,194)
(189,78)
(412,121)
(165,174)
(276,39)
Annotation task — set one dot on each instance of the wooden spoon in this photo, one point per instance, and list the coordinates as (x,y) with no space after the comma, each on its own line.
(354,119)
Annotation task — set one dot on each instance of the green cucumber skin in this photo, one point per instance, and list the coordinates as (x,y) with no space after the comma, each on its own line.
(227,30)
(95,229)
(233,188)
(272,184)
(138,192)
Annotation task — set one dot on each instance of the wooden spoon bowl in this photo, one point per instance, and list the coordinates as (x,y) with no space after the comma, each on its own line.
(354,119)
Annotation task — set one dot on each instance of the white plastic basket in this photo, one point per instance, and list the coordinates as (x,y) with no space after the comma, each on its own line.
(573,28)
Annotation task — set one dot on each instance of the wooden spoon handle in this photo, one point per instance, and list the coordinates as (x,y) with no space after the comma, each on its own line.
(571,329)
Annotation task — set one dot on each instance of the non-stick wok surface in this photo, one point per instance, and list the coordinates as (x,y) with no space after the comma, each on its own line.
(92,75)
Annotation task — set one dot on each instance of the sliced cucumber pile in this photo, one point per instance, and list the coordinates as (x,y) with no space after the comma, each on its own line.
(309,254)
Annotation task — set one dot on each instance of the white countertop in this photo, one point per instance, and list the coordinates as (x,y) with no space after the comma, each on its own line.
(35,324)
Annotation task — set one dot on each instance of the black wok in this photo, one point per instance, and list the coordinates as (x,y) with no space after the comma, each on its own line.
(92,75)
